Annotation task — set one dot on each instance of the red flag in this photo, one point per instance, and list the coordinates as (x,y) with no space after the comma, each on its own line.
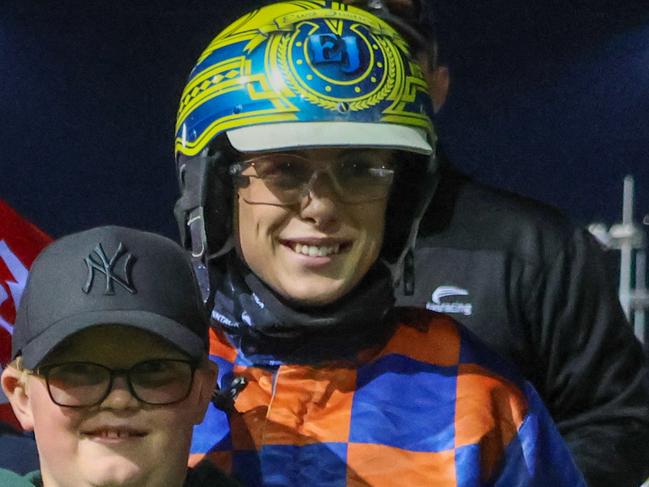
(20,243)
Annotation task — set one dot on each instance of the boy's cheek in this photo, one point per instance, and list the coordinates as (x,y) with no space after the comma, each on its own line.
(204,384)
(49,418)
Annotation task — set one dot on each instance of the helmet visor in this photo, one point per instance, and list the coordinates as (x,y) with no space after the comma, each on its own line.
(288,136)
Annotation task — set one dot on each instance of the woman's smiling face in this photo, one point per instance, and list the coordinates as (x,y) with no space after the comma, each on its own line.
(315,251)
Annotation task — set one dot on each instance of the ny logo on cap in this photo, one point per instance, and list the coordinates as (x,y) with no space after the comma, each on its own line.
(105,267)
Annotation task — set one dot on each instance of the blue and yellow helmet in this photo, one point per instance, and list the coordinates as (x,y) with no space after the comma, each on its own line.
(294,75)
(306,73)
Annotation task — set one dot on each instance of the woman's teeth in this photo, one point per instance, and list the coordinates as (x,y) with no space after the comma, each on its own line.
(317,251)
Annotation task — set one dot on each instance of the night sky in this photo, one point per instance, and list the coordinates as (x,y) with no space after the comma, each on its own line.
(549,100)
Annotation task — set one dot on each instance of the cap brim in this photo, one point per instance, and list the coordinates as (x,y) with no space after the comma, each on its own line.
(176,334)
(304,135)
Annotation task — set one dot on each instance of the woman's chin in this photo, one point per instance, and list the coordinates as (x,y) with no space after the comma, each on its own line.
(314,293)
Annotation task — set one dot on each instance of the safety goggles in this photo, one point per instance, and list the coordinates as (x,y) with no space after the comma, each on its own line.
(285,179)
(83,384)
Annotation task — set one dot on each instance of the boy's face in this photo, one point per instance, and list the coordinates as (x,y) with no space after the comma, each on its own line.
(121,441)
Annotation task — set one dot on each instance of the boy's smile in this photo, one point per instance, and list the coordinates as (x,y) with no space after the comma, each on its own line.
(113,433)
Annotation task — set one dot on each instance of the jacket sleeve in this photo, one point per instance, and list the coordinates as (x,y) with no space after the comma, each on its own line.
(595,370)
(537,456)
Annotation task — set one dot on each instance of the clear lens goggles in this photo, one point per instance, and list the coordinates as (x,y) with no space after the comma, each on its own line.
(84,384)
(285,179)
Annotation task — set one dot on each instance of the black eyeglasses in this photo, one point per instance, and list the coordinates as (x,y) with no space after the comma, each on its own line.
(82,384)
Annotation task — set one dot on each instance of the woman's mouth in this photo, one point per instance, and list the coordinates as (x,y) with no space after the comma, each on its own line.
(316,249)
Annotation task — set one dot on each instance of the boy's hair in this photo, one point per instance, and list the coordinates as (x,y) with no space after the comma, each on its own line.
(17,364)
(109,275)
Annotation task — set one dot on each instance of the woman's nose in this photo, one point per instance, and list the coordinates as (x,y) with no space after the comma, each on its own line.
(321,203)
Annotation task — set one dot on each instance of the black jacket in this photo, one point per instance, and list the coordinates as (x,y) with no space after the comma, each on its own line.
(538,291)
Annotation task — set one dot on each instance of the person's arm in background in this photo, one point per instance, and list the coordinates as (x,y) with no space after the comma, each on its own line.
(541,294)
(595,372)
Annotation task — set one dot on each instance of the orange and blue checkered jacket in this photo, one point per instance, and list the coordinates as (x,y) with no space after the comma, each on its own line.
(431,407)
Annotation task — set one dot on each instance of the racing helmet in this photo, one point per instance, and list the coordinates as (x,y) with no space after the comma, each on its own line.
(294,75)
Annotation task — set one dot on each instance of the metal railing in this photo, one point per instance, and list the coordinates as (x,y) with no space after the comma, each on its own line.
(630,238)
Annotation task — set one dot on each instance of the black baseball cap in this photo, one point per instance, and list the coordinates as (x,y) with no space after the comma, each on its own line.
(110,275)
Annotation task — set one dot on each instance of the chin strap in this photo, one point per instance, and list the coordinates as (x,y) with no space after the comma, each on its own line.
(190,215)
(202,192)
(198,240)
(403,268)
(190,207)
(409,273)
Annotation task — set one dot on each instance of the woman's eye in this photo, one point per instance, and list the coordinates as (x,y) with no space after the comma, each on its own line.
(359,167)
(284,173)
(275,170)
(271,168)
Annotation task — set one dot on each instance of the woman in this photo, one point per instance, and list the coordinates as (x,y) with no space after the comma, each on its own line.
(304,153)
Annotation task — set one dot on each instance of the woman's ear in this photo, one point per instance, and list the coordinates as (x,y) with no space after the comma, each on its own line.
(437,77)
(439,83)
(205,382)
(15,388)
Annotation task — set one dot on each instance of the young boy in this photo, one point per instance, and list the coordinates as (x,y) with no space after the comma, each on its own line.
(109,363)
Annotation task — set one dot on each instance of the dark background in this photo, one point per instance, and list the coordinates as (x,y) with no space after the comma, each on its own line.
(548,98)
